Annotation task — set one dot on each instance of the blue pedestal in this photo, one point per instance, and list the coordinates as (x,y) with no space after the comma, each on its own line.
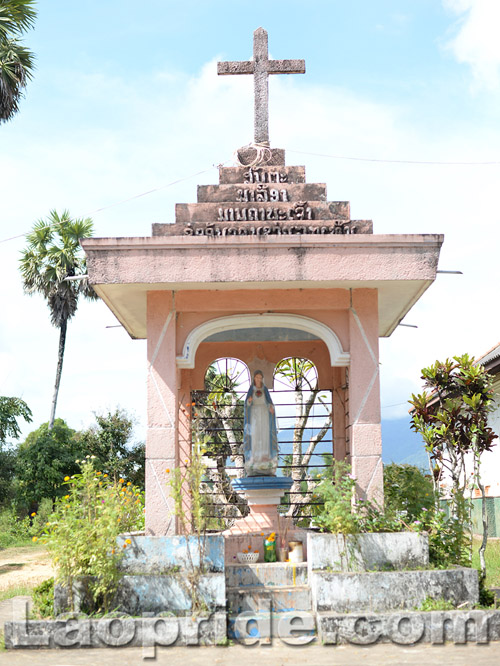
(262,483)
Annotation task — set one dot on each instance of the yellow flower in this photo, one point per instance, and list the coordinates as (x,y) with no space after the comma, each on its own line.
(35,539)
(167,471)
(186,461)
(129,483)
(124,545)
(66,496)
(66,478)
(128,541)
(105,475)
(121,480)
(98,473)
(33,514)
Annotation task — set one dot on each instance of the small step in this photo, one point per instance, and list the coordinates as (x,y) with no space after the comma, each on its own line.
(277,574)
(269,598)
(294,627)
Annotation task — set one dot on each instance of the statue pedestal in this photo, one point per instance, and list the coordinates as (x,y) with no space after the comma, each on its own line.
(263,494)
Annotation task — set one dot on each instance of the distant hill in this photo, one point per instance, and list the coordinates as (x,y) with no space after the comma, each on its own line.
(399,444)
(402,445)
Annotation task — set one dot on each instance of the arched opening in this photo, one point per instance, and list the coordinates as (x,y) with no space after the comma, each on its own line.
(305,415)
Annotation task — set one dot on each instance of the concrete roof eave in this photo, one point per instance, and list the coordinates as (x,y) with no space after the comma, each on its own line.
(400,267)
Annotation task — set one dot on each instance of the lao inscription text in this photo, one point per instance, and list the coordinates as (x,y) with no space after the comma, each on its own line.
(213,229)
(301,211)
(263,176)
(263,194)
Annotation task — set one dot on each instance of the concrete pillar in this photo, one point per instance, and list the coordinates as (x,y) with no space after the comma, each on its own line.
(364,395)
(339,397)
(162,450)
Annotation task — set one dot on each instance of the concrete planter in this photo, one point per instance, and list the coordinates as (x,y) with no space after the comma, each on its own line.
(154,576)
(380,551)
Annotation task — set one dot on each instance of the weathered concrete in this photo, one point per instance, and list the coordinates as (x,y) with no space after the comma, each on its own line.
(362,552)
(279,574)
(238,192)
(296,627)
(263,229)
(212,212)
(268,598)
(158,554)
(116,632)
(262,174)
(436,627)
(150,594)
(391,590)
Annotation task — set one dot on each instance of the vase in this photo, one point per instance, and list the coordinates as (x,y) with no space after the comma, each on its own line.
(282,554)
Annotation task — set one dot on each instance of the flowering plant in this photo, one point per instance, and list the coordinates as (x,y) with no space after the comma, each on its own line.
(81,532)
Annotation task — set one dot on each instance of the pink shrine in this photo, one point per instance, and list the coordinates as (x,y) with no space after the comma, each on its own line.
(261,251)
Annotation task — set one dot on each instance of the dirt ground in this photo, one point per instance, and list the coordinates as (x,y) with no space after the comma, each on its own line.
(25,565)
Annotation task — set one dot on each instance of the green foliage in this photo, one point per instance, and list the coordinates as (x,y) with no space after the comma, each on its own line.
(12,409)
(109,442)
(336,515)
(18,529)
(81,533)
(453,417)
(48,264)
(407,490)
(16,61)
(43,599)
(189,507)
(486,596)
(430,604)
(8,457)
(449,542)
(44,459)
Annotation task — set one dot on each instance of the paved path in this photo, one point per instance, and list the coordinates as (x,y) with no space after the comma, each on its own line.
(277,655)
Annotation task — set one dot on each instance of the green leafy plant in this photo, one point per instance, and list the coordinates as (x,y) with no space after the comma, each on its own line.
(189,507)
(336,514)
(430,604)
(407,489)
(43,599)
(81,533)
(453,421)
(448,542)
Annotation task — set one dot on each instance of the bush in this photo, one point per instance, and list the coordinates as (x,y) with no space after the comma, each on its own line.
(81,533)
(43,599)
(407,490)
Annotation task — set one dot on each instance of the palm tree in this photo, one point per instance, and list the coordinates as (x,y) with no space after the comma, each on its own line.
(53,255)
(16,61)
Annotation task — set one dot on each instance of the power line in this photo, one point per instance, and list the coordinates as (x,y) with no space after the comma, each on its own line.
(136,196)
(373,159)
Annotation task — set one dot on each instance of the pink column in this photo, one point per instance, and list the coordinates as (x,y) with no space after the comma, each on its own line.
(364,395)
(163,410)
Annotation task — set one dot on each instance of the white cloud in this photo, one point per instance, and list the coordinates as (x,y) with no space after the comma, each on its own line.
(476,41)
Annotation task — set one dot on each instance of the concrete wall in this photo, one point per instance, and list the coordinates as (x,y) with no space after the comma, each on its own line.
(362,552)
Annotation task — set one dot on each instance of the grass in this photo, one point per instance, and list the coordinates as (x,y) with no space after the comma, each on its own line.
(17,590)
(492,557)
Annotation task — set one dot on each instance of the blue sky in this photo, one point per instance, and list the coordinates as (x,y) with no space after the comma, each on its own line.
(126,99)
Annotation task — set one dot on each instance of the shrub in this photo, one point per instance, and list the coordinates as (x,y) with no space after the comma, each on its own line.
(81,533)
(336,514)
(407,490)
(43,598)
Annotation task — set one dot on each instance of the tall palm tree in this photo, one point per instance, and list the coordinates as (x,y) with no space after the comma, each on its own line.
(53,255)
(16,61)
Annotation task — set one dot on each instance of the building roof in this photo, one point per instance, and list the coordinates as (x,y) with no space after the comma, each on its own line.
(491,360)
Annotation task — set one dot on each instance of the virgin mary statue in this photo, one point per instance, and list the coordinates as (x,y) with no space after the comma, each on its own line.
(260,436)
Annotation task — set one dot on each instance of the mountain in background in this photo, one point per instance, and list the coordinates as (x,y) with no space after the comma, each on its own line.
(399,444)
(402,445)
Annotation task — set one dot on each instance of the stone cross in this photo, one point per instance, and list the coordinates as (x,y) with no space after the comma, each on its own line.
(261,67)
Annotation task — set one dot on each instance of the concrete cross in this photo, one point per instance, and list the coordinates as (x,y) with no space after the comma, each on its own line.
(261,67)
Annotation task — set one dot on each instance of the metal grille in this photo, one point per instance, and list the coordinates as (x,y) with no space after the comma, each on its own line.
(217,417)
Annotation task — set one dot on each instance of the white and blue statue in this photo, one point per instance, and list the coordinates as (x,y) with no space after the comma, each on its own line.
(260,434)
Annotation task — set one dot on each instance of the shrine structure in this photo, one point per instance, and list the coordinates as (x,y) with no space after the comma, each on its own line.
(262,267)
